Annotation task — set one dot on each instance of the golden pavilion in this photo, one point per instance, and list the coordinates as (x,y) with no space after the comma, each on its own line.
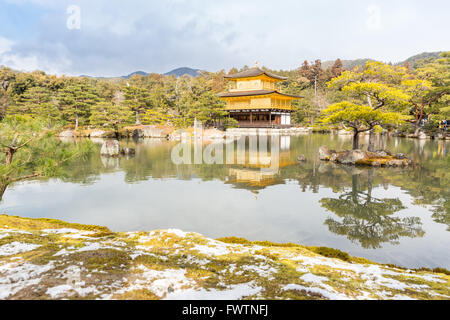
(255,102)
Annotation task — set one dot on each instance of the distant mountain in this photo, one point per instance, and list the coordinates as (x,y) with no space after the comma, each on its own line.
(424,55)
(139,73)
(349,64)
(346,64)
(179,72)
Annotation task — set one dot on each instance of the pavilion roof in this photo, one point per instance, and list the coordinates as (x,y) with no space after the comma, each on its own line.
(254,93)
(253,72)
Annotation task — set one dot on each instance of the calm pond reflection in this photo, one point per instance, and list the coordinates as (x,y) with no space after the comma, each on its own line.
(389,215)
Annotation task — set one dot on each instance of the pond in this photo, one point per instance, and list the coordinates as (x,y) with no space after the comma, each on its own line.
(388,215)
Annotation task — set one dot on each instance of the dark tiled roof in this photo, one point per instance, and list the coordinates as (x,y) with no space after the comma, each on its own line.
(254,93)
(253,72)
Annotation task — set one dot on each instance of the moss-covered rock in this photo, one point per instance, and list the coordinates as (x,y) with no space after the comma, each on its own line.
(51,259)
(358,157)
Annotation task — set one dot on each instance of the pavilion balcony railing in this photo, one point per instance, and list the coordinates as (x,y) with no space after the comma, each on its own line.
(262,124)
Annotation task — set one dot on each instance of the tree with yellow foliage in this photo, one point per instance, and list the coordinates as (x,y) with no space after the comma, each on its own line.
(359,118)
(370,92)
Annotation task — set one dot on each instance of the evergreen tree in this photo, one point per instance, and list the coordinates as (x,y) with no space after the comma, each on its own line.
(76,100)
(359,118)
(137,99)
(377,84)
(38,101)
(109,115)
(28,153)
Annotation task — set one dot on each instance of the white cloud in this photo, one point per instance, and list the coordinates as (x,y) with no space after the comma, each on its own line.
(5,45)
(119,37)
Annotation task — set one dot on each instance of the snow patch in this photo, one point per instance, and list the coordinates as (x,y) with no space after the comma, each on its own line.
(233,292)
(177,232)
(16,247)
(327,294)
(15,277)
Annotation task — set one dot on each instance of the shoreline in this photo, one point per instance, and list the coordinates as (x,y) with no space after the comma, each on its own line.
(172,133)
(52,259)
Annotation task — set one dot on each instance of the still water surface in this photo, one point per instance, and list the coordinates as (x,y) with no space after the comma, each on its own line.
(389,215)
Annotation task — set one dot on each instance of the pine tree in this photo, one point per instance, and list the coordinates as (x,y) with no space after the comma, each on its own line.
(109,115)
(137,99)
(76,100)
(40,102)
(378,85)
(359,118)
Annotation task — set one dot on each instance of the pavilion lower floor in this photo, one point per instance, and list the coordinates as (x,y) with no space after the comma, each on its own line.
(261,118)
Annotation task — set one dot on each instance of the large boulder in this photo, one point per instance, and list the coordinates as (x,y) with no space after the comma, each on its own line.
(397,162)
(351,156)
(438,136)
(383,153)
(98,133)
(67,134)
(422,135)
(147,131)
(325,153)
(137,133)
(156,131)
(400,156)
(110,148)
(128,151)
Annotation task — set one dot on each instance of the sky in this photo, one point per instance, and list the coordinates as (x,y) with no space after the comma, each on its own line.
(115,38)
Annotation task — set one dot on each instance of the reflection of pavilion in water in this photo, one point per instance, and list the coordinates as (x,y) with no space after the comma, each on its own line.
(259,170)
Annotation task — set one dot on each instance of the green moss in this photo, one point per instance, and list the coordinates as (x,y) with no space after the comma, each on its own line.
(109,260)
(234,240)
(266,265)
(435,270)
(324,251)
(331,253)
(15,222)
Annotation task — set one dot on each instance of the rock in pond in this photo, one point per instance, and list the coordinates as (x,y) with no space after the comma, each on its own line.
(325,153)
(350,157)
(383,153)
(301,158)
(98,133)
(67,134)
(128,151)
(110,148)
(422,135)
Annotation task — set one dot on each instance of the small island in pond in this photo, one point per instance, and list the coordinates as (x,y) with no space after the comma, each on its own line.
(359,157)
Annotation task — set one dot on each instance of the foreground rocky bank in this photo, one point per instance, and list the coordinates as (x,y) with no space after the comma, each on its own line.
(50,259)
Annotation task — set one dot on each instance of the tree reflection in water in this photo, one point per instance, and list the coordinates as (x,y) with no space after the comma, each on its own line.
(367,219)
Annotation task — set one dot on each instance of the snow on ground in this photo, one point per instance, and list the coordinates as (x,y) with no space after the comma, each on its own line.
(15,247)
(177,232)
(326,293)
(17,276)
(173,264)
(233,292)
